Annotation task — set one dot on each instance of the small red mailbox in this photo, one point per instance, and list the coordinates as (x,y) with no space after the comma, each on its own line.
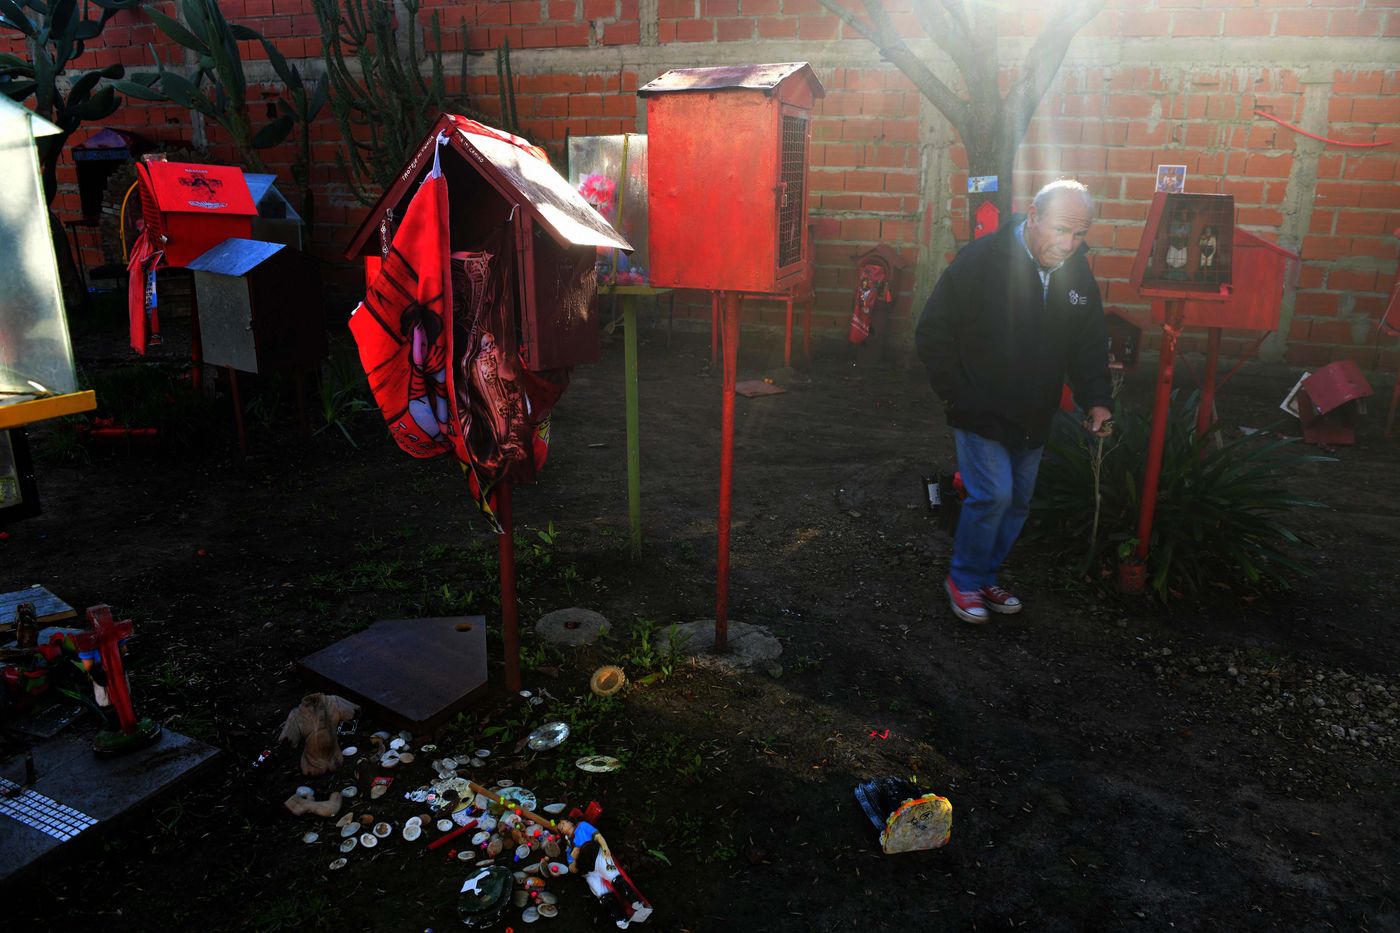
(1327,403)
(189,209)
(1124,339)
(727,175)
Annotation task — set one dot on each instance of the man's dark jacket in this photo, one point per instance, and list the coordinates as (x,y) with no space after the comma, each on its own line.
(997,352)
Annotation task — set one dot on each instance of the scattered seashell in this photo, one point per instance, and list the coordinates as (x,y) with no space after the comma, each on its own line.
(444,825)
(521,852)
(495,846)
(406,757)
(428,749)
(548,910)
(310,838)
(477,762)
(607,680)
(304,791)
(551,848)
(519,879)
(348,792)
(536,701)
(598,764)
(520,898)
(390,760)
(533,868)
(482,753)
(549,897)
(350,751)
(526,694)
(381,735)
(382,829)
(505,782)
(558,868)
(555,808)
(367,819)
(487,823)
(480,838)
(449,764)
(348,844)
(413,821)
(397,744)
(338,864)
(406,736)
(346,819)
(486,863)
(466,855)
(349,829)
(369,840)
(411,832)
(530,914)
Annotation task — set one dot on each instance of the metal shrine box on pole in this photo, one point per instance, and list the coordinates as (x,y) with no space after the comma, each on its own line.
(191,208)
(727,175)
(1260,270)
(259,306)
(1187,247)
(491,182)
(1124,339)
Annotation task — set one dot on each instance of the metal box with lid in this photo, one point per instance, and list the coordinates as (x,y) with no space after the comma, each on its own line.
(727,162)
(259,306)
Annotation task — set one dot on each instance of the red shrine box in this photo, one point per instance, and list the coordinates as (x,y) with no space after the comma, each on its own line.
(555,233)
(1187,247)
(194,207)
(1327,403)
(1261,269)
(727,167)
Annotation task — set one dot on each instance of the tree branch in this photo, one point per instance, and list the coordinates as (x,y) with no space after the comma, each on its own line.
(1043,62)
(881,32)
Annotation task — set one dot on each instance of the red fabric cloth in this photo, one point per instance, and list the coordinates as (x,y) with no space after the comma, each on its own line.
(140,288)
(874,287)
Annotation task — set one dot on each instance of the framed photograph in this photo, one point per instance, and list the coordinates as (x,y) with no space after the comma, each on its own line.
(1171,178)
(19,493)
(981,184)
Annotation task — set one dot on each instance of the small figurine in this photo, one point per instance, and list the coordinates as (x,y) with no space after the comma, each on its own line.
(1176,252)
(1206,264)
(618,895)
(314,722)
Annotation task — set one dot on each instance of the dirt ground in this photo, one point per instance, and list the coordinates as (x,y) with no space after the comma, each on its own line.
(1112,763)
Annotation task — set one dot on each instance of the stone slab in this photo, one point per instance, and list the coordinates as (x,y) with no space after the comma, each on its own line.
(417,674)
(572,626)
(76,794)
(746,645)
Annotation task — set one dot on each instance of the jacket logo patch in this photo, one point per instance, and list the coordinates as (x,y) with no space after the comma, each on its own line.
(1077,299)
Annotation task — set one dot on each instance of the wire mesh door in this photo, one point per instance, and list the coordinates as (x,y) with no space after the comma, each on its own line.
(792,189)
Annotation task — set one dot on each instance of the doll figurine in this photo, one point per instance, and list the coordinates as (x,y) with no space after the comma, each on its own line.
(1205,266)
(614,890)
(314,724)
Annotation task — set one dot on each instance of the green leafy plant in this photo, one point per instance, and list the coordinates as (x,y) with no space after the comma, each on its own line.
(343,394)
(1219,509)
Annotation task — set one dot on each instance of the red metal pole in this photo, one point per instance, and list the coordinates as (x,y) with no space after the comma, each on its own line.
(787,335)
(1161,411)
(505,543)
(1205,411)
(730,334)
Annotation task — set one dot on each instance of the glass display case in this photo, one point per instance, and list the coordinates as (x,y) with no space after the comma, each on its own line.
(37,376)
(611,174)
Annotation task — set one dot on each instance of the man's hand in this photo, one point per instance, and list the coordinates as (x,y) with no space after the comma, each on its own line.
(1099,421)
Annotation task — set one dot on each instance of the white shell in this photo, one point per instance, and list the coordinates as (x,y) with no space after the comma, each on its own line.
(411,831)
(350,829)
(390,760)
(406,757)
(406,736)
(310,838)
(549,897)
(482,753)
(520,878)
(558,868)
(487,823)
(381,734)
(347,844)
(348,792)
(428,749)
(350,751)
(444,825)
(505,782)
(533,868)
(413,821)
(530,914)
(466,855)
(304,791)
(346,818)
(480,837)
(338,864)
(553,808)
(536,701)
(477,762)
(382,829)
(369,840)
(526,694)
(522,852)
(397,744)
(449,764)
(548,910)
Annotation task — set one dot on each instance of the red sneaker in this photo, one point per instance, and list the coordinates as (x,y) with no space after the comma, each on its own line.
(966,606)
(999,600)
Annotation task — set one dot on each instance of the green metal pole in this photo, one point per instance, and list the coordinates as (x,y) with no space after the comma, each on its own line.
(634,454)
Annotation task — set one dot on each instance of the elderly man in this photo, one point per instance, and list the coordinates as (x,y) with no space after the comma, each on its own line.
(1013,315)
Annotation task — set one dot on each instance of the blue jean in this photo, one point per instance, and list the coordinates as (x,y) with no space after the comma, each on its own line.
(999,482)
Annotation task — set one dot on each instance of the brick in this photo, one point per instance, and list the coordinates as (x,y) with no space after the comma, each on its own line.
(1326,247)
(572,35)
(522,13)
(695,31)
(818,27)
(622,34)
(735,30)
(677,9)
(774,28)
(1370,168)
(1146,135)
(1352,23)
(1131,106)
(1375,110)
(1340,194)
(1138,23)
(1240,23)
(1317,304)
(1266,166)
(1353,280)
(1367,222)
(1196,23)
(1301,23)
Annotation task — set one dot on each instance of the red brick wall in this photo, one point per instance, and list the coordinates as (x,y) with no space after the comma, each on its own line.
(1128,97)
